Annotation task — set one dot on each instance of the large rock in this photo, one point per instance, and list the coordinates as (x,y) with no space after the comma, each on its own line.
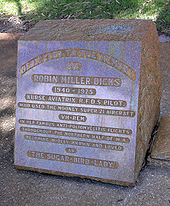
(128,49)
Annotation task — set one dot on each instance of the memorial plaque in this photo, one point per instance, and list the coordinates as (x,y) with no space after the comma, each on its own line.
(84,98)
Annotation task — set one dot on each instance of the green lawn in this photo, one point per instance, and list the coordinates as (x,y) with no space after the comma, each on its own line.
(34,10)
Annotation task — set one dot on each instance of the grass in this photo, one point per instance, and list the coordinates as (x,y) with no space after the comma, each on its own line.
(34,10)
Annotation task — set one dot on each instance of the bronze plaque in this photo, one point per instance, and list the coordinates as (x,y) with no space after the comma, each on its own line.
(77,104)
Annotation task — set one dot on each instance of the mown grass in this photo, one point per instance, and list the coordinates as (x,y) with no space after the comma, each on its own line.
(34,10)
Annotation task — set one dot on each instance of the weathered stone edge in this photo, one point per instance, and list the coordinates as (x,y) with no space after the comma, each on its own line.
(85,30)
(75,175)
(158,163)
(148,103)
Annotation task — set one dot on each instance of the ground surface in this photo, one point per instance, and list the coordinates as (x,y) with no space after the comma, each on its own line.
(24,188)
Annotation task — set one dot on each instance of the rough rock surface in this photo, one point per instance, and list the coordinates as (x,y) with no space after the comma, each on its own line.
(143,31)
(160,154)
(165,70)
(165,108)
(149,94)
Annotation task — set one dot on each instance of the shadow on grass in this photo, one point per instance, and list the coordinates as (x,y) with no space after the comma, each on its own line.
(83,9)
(163,19)
(95,9)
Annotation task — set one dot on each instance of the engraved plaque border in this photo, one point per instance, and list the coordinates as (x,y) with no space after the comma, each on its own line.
(116,60)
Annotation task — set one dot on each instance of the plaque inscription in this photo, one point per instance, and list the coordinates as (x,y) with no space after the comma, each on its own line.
(77,106)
